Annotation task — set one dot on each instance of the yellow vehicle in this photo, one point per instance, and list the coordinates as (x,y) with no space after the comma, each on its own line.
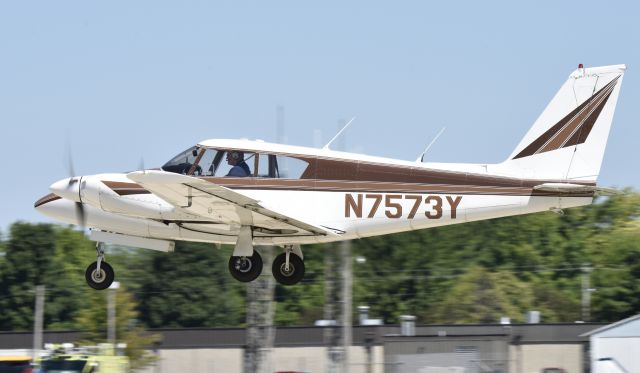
(15,364)
(85,360)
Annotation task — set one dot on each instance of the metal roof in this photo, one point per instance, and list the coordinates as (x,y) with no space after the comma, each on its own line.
(611,326)
(314,336)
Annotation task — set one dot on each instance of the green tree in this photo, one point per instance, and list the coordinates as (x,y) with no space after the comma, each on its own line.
(68,289)
(481,296)
(302,304)
(42,254)
(190,287)
(616,275)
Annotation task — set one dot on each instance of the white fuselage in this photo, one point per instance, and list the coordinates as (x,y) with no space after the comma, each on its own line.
(350,214)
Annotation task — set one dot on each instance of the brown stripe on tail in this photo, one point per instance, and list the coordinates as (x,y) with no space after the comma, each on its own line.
(574,128)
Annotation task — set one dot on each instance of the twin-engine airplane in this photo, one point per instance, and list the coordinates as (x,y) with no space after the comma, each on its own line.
(251,193)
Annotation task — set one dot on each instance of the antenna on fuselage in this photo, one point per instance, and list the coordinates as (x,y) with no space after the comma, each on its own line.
(421,156)
(141,164)
(326,147)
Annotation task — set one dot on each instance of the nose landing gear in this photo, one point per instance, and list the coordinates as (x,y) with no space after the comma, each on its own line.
(99,274)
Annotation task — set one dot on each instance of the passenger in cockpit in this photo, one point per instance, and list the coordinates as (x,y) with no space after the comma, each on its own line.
(240,168)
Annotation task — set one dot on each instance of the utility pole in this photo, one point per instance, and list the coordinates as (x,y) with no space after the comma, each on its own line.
(111,313)
(260,310)
(586,292)
(38,321)
(332,335)
(337,303)
(260,303)
(369,339)
(347,303)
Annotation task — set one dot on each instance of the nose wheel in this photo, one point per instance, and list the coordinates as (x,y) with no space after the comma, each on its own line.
(288,268)
(99,279)
(245,268)
(99,274)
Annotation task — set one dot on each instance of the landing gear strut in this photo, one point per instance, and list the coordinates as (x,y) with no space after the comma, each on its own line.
(99,274)
(246,268)
(288,267)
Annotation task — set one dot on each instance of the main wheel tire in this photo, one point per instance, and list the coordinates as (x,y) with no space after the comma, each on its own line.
(291,276)
(245,268)
(102,279)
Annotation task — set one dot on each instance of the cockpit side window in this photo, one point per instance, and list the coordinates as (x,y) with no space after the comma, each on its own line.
(205,162)
(234,163)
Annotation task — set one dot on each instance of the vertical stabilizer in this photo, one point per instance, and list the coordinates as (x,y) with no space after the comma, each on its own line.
(568,140)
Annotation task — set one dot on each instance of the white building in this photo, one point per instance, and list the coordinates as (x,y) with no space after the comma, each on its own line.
(615,348)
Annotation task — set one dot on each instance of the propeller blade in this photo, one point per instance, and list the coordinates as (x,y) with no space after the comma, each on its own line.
(70,168)
(80,214)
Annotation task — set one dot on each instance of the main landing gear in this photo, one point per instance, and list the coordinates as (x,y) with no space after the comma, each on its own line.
(245,268)
(287,268)
(99,274)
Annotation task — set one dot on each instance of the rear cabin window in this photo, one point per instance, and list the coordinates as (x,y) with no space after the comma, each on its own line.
(280,166)
(290,167)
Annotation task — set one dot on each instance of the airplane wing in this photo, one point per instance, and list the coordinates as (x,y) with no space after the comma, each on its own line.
(220,204)
(576,188)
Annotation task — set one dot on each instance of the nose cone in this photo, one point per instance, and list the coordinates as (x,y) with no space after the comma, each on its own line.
(67,188)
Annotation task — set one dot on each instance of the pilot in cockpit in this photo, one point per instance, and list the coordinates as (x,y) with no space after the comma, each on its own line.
(240,168)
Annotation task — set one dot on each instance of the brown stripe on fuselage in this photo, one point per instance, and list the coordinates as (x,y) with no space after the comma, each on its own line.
(328,169)
(341,170)
(331,174)
(46,199)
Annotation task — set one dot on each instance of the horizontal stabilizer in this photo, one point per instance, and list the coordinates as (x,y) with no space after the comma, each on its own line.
(576,188)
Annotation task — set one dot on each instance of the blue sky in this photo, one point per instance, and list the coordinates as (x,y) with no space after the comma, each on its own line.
(122,80)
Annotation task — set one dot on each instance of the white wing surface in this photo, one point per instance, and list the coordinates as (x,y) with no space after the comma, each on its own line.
(219,204)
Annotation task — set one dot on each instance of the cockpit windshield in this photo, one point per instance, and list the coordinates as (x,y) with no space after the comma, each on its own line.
(181,163)
(196,161)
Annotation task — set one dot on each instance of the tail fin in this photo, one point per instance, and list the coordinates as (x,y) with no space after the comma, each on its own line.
(568,140)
